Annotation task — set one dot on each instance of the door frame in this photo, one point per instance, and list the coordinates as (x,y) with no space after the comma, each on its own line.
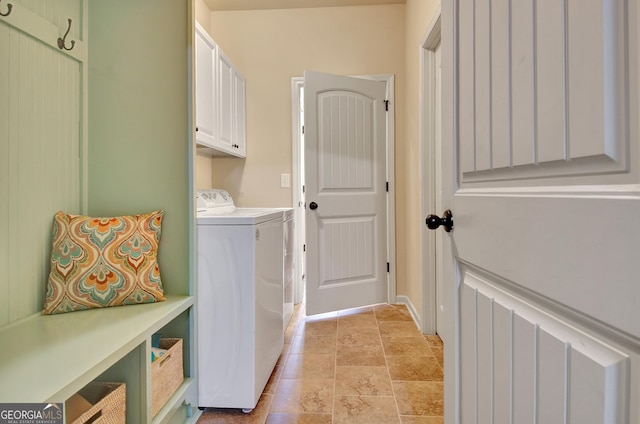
(296,84)
(426,124)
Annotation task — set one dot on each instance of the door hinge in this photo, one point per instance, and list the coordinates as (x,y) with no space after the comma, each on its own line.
(386,105)
(303,129)
(388,267)
(303,188)
(387,186)
(304,247)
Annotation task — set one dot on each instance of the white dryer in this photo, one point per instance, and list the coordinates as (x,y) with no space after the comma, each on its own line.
(239,300)
(289,268)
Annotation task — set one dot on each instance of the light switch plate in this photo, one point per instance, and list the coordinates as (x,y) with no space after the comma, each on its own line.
(285,180)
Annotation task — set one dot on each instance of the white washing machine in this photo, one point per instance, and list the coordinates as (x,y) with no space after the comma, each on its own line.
(239,300)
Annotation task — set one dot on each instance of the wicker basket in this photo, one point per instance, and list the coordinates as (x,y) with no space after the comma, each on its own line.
(166,374)
(109,402)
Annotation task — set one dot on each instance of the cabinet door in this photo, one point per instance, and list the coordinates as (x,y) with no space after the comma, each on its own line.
(240,124)
(225,104)
(206,105)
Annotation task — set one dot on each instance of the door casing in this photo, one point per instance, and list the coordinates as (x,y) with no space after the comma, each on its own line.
(430,41)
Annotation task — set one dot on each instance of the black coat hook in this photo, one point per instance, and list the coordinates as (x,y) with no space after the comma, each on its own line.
(63,41)
(9,7)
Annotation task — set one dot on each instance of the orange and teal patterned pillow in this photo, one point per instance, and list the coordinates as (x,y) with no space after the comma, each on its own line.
(101,262)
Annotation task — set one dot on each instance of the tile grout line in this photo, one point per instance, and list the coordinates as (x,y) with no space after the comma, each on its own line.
(384,354)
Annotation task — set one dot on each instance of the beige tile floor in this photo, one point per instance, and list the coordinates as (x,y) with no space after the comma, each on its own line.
(368,365)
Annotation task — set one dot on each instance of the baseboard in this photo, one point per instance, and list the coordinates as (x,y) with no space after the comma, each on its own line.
(404,300)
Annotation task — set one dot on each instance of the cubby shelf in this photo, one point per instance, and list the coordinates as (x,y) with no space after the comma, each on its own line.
(49,358)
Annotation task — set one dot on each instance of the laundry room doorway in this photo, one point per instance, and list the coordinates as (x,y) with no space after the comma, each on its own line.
(382,258)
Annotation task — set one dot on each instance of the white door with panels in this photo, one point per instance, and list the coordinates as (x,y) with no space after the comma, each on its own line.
(225,101)
(541,171)
(206,107)
(345,177)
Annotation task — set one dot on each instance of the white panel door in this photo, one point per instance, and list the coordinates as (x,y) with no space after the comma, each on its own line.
(345,177)
(541,170)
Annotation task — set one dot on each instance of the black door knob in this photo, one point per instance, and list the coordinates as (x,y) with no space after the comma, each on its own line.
(313,206)
(434,221)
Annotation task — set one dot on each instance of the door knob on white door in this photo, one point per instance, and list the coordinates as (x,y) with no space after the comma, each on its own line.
(434,221)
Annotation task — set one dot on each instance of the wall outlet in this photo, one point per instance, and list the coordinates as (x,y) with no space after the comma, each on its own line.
(285,180)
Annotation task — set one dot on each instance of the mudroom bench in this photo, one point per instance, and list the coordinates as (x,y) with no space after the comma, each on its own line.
(48,358)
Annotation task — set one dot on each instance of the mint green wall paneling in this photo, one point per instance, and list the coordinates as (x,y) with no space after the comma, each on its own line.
(4,174)
(12,123)
(48,155)
(40,139)
(27,241)
(138,121)
(57,12)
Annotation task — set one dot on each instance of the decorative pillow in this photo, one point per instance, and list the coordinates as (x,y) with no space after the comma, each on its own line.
(100,262)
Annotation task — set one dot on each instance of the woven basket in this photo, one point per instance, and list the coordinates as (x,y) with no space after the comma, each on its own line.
(166,374)
(109,402)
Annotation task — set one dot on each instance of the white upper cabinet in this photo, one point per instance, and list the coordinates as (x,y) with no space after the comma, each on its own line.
(220,101)
(206,106)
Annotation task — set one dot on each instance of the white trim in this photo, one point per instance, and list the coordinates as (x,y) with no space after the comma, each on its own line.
(298,287)
(404,300)
(391,196)
(430,41)
(389,80)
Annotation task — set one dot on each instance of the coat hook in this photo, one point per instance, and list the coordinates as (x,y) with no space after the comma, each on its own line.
(9,7)
(62,41)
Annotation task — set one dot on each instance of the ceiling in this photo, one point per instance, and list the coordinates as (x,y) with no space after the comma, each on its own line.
(215,5)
